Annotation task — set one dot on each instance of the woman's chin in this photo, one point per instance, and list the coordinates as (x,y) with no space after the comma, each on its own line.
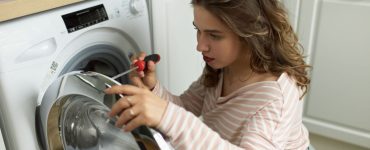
(214,66)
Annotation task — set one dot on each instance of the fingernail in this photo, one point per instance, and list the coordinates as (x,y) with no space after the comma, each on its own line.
(130,54)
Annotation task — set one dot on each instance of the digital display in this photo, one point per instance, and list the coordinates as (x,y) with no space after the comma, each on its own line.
(83,18)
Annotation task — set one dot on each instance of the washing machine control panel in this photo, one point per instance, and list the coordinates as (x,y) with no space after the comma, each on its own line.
(83,18)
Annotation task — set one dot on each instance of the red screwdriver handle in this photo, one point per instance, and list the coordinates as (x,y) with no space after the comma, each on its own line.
(141,64)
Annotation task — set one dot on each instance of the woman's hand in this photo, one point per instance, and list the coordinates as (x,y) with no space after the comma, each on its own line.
(139,107)
(143,79)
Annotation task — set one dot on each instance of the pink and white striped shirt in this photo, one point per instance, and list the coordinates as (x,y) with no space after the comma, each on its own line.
(263,115)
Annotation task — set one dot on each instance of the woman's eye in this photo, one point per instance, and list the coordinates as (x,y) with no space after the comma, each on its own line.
(214,36)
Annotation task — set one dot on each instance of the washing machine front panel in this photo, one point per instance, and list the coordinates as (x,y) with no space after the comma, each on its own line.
(110,55)
(31,41)
(37,49)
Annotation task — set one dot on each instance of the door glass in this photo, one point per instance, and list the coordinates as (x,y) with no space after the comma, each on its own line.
(86,126)
(78,120)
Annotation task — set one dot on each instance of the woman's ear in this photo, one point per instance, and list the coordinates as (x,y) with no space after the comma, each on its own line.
(245,46)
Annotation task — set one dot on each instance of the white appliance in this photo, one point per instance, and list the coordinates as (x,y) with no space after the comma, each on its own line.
(35,50)
(2,146)
(73,115)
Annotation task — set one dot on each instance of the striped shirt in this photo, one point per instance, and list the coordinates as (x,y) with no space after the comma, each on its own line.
(263,115)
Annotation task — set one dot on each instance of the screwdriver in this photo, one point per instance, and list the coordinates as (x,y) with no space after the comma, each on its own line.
(140,64)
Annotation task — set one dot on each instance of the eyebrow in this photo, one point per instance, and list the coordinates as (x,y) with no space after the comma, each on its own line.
(209,30)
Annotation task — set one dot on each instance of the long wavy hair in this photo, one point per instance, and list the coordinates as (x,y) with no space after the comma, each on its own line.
(263,25)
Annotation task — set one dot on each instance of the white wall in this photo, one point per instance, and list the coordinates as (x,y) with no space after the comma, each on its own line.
(293,6)
(175,41)
(335,39)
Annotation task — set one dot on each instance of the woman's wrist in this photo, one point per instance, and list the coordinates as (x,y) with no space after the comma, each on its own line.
(154,86)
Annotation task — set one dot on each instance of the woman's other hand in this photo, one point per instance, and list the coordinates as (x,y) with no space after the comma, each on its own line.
(139,107)
(144,79)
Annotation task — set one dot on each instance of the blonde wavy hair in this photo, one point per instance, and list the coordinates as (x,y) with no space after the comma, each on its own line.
(263,25)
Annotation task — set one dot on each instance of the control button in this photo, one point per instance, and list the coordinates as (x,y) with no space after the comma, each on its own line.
(136,6)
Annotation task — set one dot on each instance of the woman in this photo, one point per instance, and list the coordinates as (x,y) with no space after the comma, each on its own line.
(249,93)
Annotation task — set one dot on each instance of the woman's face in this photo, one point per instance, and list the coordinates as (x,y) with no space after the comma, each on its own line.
(219,45)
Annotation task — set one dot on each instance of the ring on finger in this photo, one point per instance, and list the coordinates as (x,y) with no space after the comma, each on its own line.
(131,112)
(129,102)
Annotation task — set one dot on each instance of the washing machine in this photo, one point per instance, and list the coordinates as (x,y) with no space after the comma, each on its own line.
(39,50)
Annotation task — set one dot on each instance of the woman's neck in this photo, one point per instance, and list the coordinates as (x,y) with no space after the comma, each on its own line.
(239,70)
(233,75)
(236,76)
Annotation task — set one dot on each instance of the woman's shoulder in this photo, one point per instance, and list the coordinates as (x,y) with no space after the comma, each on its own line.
(278,81)
(265,88)
(265,77)
(263,83)
(256,96)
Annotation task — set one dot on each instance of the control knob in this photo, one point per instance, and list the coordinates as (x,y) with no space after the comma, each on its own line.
(136,6)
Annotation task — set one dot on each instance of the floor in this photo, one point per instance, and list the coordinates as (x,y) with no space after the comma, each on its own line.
(323,143)
(319,143)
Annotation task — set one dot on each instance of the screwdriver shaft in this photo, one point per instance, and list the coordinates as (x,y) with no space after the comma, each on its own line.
(140,64)
(123,73)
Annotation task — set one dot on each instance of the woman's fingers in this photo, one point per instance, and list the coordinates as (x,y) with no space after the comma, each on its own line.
(127,115)
(137,81)
(151,66)
(142,55)
(123,89)
(132,117)
(134,123)
(121,104)
(141,74)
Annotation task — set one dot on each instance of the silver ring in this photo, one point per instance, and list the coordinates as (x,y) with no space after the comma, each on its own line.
(129,101)
(131,112)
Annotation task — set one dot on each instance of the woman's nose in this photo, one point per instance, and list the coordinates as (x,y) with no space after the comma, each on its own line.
(202,45)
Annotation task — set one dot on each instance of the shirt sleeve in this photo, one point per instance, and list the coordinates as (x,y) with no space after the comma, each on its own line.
(186,131)
(191,99)
(260,128)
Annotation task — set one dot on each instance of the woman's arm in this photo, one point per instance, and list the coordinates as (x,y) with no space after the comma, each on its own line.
(191,99)
(187,131)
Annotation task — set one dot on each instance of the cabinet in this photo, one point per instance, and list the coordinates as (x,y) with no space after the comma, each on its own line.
(10,9)
(335,35)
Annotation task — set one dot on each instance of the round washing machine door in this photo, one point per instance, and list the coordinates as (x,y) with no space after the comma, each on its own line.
(73,116)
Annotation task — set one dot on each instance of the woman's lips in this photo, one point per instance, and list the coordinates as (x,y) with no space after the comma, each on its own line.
(207,59)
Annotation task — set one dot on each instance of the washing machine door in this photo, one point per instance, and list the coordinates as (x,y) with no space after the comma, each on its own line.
(73,116)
